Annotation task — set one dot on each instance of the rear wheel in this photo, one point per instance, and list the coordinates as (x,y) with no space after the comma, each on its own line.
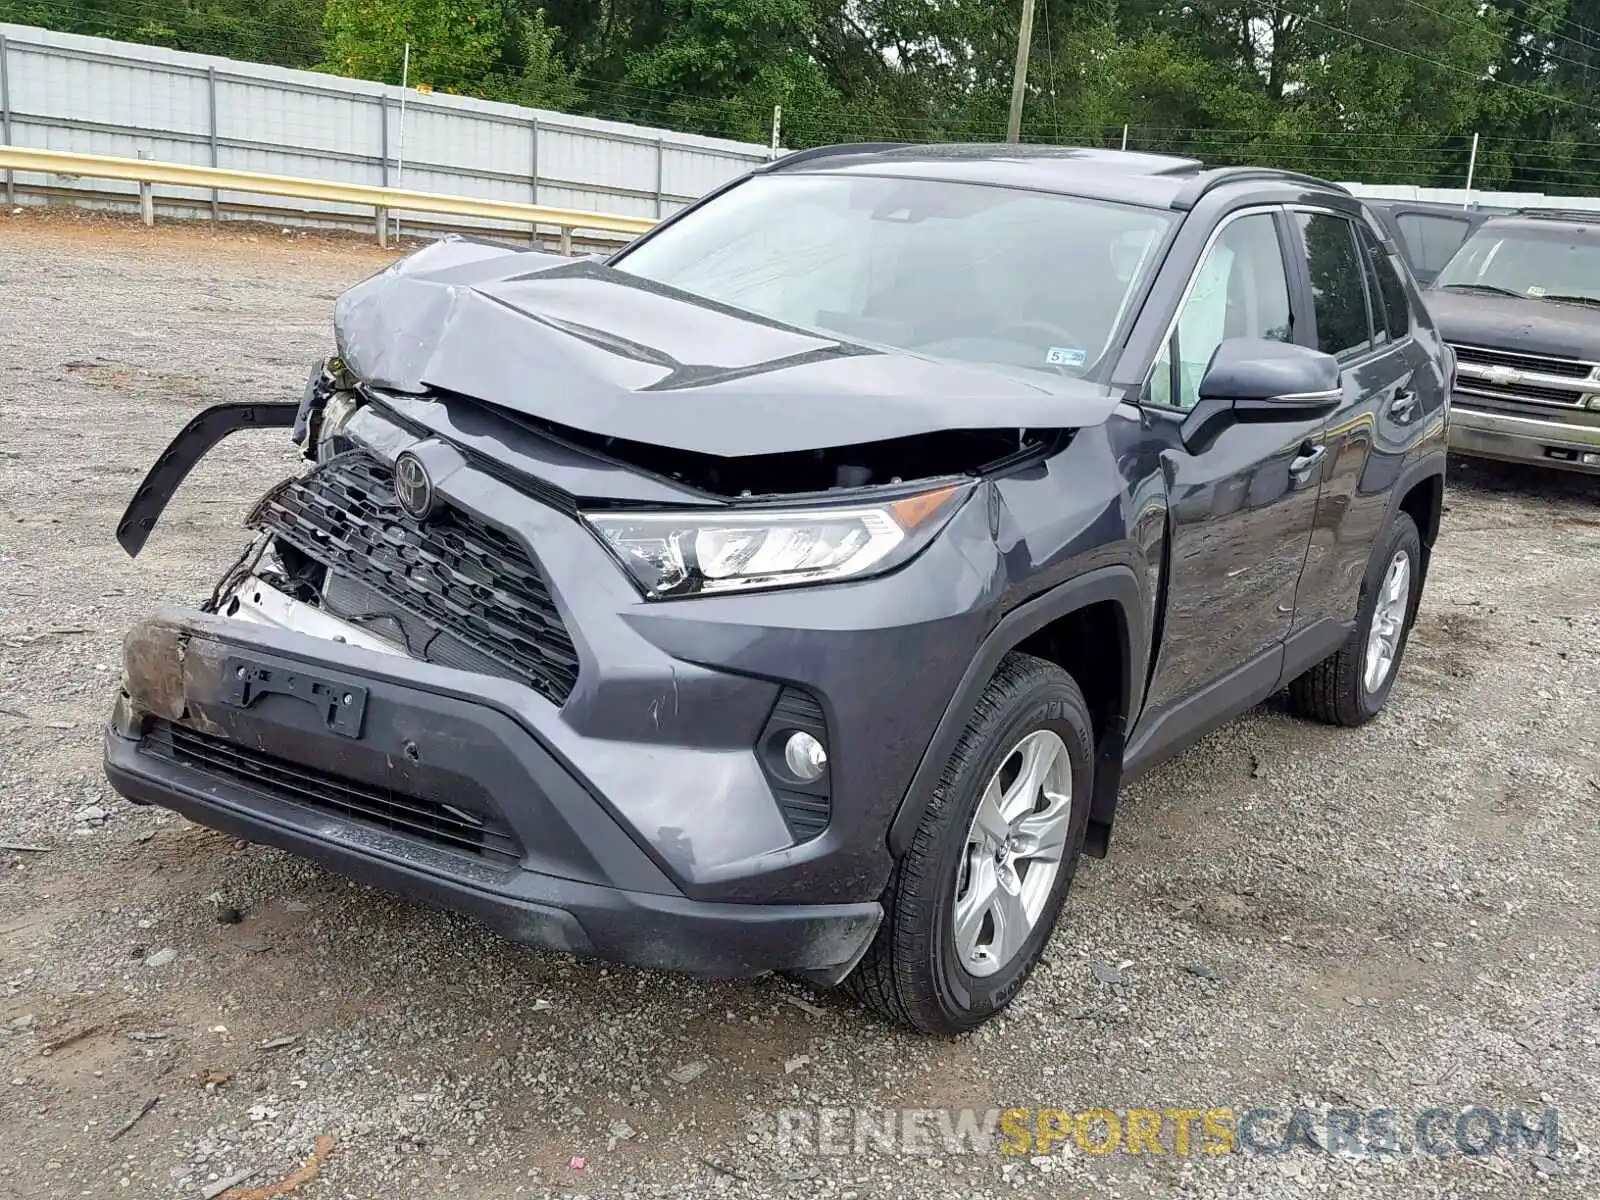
(1352,686)
(972,903)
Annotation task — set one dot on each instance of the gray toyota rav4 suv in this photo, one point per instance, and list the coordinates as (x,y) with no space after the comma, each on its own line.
(794,589)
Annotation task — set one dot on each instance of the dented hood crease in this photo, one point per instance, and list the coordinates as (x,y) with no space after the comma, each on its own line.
(580,344)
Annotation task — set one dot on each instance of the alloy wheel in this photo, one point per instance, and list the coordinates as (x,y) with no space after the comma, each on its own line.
(1388,621)
(1013,853)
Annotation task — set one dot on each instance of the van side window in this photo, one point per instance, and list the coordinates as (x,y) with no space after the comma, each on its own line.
(1431,240)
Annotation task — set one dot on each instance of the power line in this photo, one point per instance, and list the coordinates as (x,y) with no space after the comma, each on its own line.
(1423,58)
(1467,23)
(1584,32)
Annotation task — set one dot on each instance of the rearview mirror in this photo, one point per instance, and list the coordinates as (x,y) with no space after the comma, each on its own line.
(1256,379)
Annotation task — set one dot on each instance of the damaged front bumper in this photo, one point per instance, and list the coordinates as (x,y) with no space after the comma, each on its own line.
(384,769)
(479,709)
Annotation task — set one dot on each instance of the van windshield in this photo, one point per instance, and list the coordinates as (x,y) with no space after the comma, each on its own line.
(969,272)
(1554,262)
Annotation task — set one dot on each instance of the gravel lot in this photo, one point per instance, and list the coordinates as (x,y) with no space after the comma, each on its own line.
(1397,917)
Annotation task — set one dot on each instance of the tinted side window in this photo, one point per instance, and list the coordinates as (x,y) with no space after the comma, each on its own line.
(1338,292)
(1430,241)
(1389,292)
(1240,290)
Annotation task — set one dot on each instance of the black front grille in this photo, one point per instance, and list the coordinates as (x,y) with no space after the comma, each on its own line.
(1567,368)
(483,834)
(465,593)
(1520,391)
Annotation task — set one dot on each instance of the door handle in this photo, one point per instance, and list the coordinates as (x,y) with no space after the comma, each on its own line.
(1404,406)
(1302,463)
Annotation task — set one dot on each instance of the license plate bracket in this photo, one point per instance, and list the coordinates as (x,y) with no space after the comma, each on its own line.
(342,705)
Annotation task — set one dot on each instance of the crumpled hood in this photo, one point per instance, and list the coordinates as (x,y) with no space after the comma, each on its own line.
(579,344)
(1520,326)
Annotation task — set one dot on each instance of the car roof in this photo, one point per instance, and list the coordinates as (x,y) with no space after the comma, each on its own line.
(1136,177)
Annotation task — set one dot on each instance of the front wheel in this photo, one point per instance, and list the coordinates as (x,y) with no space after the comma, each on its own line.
(972,903)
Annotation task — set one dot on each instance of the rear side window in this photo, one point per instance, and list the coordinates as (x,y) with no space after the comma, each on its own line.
(1338,291)
(1390,308)
(1430,241)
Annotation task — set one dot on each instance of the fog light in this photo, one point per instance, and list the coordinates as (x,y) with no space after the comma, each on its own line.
(1591,460)
(805,757)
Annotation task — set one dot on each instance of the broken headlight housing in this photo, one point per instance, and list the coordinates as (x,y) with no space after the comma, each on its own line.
(329,401)
(336,416)
(680,553)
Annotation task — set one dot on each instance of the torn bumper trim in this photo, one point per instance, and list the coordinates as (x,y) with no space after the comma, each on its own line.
(192,444)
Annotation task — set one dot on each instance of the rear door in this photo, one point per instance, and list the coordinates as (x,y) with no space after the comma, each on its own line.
(1240,507)
(1429,237)
(1353,286)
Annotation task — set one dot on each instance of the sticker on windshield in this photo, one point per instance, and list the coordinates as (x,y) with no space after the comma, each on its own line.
(1536,290)
(1065,356)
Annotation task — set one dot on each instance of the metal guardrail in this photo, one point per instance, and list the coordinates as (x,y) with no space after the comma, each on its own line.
(144,171)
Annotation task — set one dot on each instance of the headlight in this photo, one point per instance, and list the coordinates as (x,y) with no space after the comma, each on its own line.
(690,553)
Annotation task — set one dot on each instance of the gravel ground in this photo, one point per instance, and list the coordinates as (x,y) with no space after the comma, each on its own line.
(1398,917)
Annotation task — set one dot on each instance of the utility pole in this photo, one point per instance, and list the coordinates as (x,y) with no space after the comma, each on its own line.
(400,158)
(1472,167)
(1019,78)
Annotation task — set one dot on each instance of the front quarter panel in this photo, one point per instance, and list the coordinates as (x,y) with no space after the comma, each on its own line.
(1063,538)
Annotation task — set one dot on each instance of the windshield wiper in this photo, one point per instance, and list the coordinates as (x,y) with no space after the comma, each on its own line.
(1593,301)
(1482,287)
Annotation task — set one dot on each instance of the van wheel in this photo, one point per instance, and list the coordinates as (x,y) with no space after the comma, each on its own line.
(1351,686)
(973,901)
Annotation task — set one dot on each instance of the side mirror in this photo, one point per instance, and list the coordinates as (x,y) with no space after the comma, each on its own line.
(1255,379)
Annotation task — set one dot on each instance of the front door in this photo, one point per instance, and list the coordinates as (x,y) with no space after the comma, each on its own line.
(1240,509)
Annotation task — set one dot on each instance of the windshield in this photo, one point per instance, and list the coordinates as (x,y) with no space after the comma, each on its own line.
(1555,261)
(961,271)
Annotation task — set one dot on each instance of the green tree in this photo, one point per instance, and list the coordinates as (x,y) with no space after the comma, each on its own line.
(454,44)
(483,48)
(283,32)
(1380,90)
(724,64)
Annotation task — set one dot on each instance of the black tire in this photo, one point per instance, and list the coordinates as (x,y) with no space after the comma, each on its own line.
(1335,690)
(911,973)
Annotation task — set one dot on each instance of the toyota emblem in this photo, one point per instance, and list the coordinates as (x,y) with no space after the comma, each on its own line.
(413,487)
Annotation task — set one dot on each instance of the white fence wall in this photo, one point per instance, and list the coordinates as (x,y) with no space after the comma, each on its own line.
(65,92)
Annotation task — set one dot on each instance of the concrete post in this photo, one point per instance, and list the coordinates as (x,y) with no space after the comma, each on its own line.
(147,198)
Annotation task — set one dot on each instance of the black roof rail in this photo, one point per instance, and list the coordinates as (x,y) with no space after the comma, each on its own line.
(1589,215)
(797,157)
(1217,176)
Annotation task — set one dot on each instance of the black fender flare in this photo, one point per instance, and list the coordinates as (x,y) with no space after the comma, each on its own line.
(1118,584)
(1424,467)
(192,444)
(1413,473)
